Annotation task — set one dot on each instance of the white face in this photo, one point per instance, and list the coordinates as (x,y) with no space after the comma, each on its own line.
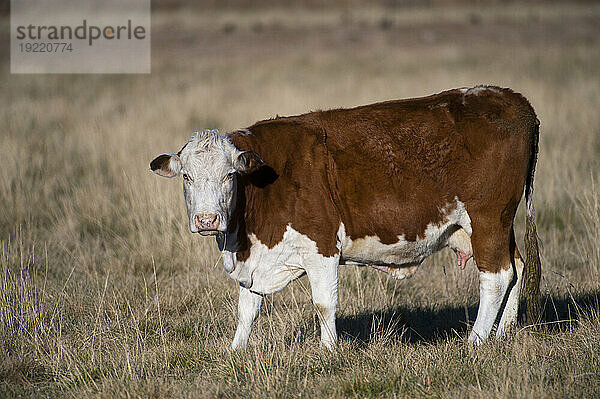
(210,166)
(209,183)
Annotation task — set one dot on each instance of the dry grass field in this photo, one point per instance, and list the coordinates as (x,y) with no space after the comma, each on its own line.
(105,293)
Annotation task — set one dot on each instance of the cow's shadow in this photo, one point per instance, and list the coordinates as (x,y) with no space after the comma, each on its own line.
(433,325)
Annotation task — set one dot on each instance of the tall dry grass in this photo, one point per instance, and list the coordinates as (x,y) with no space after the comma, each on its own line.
(104,292)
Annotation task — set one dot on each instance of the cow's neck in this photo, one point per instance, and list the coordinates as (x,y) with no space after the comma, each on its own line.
(234,244)
(229,244)
(235,239)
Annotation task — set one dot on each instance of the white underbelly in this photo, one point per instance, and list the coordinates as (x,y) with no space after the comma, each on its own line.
(370,250)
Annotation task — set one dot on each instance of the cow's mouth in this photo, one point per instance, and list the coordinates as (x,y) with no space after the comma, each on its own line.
(208,232)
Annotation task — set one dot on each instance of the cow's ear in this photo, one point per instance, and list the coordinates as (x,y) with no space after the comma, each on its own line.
(247,162)
(166,165)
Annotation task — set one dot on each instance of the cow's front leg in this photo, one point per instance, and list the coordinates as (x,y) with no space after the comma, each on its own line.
(323,277)
(248,308)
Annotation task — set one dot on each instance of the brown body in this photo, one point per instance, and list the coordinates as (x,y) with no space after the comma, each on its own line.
(387,169)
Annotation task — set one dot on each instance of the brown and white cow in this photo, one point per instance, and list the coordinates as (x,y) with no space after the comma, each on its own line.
(382,185)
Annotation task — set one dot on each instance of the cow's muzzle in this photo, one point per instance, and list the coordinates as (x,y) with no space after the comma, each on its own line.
(207,223)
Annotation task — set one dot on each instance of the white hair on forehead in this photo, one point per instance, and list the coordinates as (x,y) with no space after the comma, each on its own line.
(207,140)
(211,143)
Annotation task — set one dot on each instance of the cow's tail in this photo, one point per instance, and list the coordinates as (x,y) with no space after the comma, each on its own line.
(533,266)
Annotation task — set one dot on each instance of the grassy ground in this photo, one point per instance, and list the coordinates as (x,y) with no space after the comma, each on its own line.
(105,293)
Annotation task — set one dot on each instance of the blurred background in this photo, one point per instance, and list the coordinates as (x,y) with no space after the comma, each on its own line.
(104,292)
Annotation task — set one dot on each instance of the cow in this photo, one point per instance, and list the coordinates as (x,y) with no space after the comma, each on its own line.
(383,185)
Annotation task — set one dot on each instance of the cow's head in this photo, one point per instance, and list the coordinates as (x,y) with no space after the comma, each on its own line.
(210,166)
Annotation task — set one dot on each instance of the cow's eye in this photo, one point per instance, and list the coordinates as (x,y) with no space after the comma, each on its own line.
(228,177)
(187,178)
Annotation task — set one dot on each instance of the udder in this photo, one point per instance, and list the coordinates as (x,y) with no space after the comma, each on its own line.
(460,243)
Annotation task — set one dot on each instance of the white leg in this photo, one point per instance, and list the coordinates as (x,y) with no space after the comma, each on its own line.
(509,315)
(248,307)
(492,287)
(323,276)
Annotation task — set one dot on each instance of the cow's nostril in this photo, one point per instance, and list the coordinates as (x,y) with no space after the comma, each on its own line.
(198,221)
(214,222)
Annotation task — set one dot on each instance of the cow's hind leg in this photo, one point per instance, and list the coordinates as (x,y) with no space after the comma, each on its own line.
(511,307)
(323,277)
(248,308)
(491,249)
